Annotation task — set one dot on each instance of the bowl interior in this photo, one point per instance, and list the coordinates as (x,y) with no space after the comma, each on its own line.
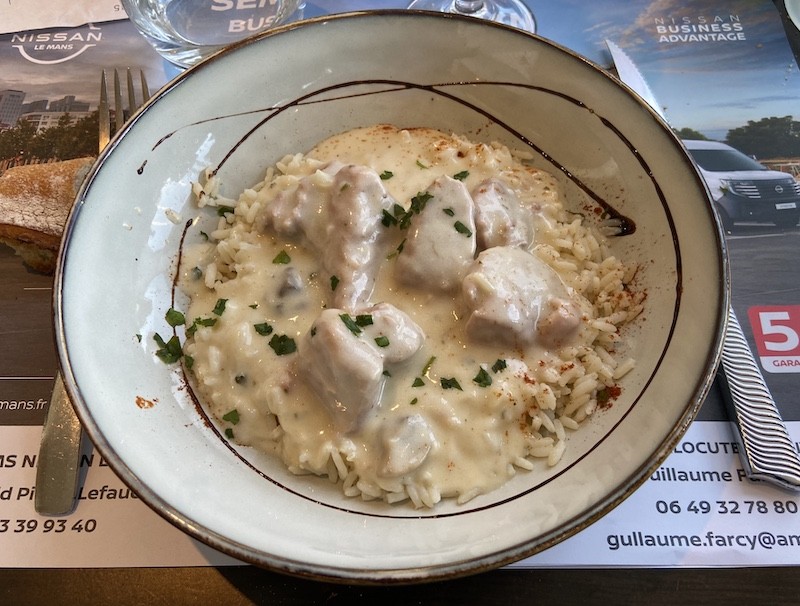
(282,93)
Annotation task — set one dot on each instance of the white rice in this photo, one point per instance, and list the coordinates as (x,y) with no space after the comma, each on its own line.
(557,402)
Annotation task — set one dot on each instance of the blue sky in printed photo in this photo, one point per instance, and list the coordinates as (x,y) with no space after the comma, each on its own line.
(711,86)
(708,86)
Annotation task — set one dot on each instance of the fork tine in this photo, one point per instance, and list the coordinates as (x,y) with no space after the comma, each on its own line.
(58,462)
(103,117)
(119,117)
(145,88)
(131,92)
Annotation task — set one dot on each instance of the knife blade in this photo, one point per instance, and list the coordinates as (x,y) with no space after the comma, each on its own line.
(765,448)
(629,73)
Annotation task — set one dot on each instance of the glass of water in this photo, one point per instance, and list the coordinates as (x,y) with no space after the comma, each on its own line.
(187,31)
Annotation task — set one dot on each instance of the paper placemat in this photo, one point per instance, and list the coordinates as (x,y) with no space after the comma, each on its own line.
(26,15)
(719,71)
(697,509)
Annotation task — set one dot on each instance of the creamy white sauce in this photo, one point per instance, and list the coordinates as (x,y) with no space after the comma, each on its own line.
(421,441)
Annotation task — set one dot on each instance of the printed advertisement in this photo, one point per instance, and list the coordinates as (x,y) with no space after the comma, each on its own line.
(721,74)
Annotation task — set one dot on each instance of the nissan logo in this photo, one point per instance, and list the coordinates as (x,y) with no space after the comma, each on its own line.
(779,189)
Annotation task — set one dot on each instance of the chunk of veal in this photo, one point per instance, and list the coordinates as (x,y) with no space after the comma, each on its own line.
(513,297)
(304,211)
(404,337)
(344,358)
(338,210)
(500,219)
(406,443)
(440,245)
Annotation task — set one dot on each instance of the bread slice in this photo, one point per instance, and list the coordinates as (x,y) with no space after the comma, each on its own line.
(35,201)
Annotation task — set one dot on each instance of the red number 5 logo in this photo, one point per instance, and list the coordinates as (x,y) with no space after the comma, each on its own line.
(777,334)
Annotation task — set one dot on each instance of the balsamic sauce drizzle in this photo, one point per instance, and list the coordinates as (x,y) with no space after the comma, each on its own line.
(624,226)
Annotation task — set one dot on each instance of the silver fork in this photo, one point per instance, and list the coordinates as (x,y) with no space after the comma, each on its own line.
(58,462)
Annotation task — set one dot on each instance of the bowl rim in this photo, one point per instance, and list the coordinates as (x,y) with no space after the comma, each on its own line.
(332,573)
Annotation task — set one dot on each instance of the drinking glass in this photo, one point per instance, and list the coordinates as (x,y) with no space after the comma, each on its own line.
(511,12)
(187,31)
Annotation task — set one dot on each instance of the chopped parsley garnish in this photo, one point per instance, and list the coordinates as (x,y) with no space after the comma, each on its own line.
(174,317)
(428,365)
(461,176)
(253,306)
(451,383)
(219,307)
(229,433)
(189,361)
(499,365)
(405,220)
(414,401)
(334,282)
(364,320)
(449,212)
(351,324)
(231,417)
(421,165)
(387,219)
(263,329)
(282,258)
(224,210)
(382,341)
(197,323)
(282,345)
(418,204)
(418,382)
(138,337)
(398,212)
(386,373)
(398,250)
(462,229)
(168,351)
(386,175)
(482,378)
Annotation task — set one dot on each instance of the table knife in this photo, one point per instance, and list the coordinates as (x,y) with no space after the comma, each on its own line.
(58,465)
(767,452)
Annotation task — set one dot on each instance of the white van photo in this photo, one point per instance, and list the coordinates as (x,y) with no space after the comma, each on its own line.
(742,188)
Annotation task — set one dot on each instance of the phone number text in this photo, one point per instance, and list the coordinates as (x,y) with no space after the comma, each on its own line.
(54,525)
(727,507)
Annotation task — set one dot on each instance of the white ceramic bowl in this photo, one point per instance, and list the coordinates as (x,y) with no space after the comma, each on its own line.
(284,92)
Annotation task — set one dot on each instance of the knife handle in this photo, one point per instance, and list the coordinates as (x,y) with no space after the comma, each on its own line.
(767,452)
(58,462)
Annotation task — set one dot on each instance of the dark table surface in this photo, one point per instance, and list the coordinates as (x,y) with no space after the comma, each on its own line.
(504,587)
(245,585)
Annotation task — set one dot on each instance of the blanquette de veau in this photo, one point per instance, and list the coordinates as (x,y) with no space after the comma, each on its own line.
(411,314)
